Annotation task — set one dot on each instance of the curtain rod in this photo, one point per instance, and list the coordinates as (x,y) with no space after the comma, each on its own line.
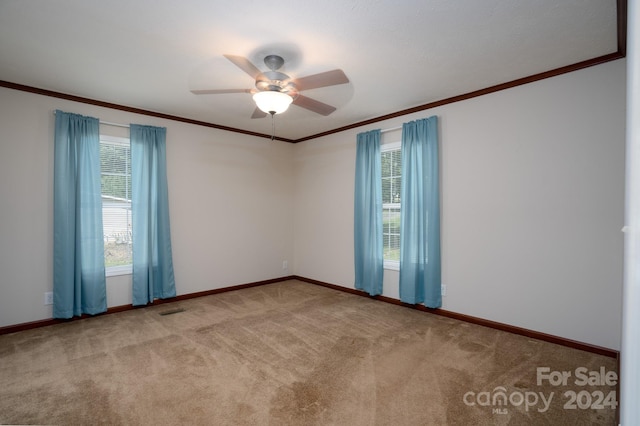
(391,129)
(107,123)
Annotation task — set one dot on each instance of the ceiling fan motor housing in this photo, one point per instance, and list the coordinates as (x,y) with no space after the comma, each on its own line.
(277,82)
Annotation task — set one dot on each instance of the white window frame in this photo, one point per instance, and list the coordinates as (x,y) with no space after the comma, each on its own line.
(391,146)
(112,271)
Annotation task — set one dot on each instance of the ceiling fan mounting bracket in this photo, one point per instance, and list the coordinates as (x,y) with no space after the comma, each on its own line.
(273,62)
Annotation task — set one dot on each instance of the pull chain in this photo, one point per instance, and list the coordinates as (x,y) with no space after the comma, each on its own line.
(273,127)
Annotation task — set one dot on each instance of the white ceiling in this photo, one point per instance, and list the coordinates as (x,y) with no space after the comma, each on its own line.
(398,54)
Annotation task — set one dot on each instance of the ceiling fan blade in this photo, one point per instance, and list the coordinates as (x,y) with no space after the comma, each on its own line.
(323,79)
(313,105)
(219,91)
(258,113)
(244,64)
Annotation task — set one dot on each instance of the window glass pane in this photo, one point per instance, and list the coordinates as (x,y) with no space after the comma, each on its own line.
(114,158)
(394,221)
(117,235)
(395,190)
(115,162)
(116,186)
(397,162)
(386,190)
(391,181)
(386,163)
(394,248)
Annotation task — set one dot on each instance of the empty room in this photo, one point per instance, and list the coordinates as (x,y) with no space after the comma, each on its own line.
(318,213)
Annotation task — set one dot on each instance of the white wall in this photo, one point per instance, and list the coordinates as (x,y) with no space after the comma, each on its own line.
(532,205)
(231,204)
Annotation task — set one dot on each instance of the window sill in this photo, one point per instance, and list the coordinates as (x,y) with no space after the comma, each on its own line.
(393,265)
(118,270)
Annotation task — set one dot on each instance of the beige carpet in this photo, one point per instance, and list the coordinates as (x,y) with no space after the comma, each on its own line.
(289,353)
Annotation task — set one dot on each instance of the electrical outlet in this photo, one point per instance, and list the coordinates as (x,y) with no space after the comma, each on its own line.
(443,290)
(48,298)
(285,265)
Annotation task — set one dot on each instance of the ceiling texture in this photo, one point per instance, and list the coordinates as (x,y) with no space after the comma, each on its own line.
(399,56)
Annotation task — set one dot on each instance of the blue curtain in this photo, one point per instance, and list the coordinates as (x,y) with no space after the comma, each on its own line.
(420,269)
(368,214)
(152,260)
(79,283)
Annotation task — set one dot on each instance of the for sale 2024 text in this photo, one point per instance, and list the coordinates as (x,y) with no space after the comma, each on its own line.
(582,376)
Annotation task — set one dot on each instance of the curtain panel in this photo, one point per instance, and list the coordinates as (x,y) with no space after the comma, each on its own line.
(153,276)
(420,263)
(79,283)
(368,244)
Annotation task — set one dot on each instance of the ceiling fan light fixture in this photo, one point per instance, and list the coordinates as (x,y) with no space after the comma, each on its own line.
(272,102)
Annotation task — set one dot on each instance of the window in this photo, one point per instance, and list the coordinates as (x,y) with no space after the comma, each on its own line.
(391,181)
(115,176)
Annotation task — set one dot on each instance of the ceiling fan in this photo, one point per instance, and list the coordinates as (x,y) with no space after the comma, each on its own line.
(275,91)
